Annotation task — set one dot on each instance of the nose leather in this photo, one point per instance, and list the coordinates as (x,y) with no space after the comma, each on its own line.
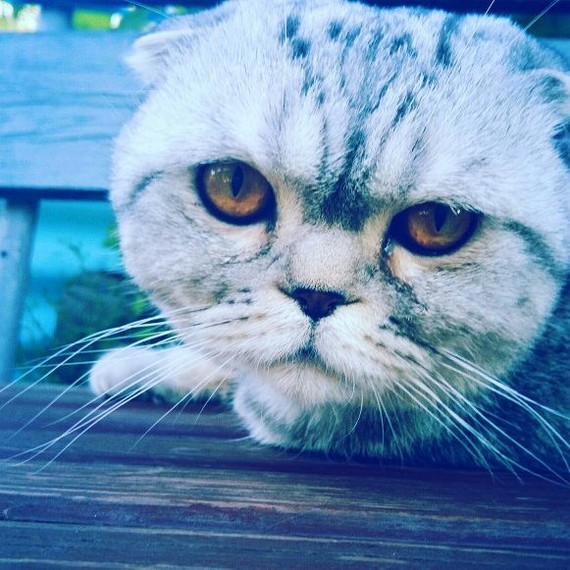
(317,304)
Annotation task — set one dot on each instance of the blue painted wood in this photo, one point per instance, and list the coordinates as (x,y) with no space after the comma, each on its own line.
(17,225)
(192,492)
(63,98)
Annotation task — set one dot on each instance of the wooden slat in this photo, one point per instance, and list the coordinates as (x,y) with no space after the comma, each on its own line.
(194,493)
(63,97)
(17,226)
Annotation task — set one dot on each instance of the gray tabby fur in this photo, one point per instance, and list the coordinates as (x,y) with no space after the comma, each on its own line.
(353,114)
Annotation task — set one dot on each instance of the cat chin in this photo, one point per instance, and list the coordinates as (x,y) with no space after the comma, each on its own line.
(264,410)
(305,384)
(270,405)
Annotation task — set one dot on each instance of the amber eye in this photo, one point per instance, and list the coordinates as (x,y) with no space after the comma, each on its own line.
(433,229)
(235,192)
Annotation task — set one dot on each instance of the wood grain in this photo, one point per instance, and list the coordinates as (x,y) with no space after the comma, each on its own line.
(63,98)
(193,492)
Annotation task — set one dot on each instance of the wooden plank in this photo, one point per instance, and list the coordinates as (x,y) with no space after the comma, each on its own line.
(63,98)
(62,193)
(192,548)
(17,226)
(194,493)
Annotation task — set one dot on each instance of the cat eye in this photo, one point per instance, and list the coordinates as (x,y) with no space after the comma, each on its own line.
(433,229)
(235,192)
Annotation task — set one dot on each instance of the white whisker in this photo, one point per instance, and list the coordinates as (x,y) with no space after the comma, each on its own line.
(540,15)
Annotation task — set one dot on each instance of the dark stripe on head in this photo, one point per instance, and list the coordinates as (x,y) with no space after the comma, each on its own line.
(373,105)
(351,36)
(535,246)
(300,48)
(290,28)
(404,44)
(372,48)
(561,141)
(407,104)
(334,30)
(139,189)
(312,82)
(345,204)
(443,55)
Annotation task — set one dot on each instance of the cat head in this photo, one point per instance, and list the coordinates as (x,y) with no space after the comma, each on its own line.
(330,197)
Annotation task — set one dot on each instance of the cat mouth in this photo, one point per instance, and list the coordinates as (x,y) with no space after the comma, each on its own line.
(308,355)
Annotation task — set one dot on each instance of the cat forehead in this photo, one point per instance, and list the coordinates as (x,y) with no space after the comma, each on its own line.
(321,26)
(337,96)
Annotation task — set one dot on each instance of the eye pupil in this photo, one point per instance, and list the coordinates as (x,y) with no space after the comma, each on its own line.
(440,217)
(237,181)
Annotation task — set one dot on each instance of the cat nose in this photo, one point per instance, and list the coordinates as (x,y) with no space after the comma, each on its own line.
(317,304)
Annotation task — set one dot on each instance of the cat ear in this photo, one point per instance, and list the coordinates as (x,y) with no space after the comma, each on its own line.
(556,89)
(150,54)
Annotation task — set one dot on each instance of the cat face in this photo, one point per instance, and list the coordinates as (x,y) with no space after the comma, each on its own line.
(331,198)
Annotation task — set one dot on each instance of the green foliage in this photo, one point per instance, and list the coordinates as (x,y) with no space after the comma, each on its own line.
(91,303)
(91,19)
(18,17)
(129,17)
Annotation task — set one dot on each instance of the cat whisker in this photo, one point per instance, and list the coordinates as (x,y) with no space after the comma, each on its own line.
(92,418)
(389,395)
(540,15)
(150,9)
(489,8)
(491,428)
(359,415)
(68,388)
(151,377)
(428,401)
(82,345)
(381,409)
(501,389)
(525,404)
(189,396)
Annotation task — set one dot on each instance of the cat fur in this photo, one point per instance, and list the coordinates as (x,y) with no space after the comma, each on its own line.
(353,114)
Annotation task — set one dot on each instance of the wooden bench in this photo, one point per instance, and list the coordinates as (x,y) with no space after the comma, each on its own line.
(63,98)
(193,492)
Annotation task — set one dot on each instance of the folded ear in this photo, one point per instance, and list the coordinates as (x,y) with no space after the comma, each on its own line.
(557,86)
(558,91)
(150,54)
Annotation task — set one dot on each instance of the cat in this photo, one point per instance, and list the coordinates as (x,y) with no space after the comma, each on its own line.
(356,222)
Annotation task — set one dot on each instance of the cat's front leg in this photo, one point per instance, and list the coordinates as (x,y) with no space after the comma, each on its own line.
(169,373)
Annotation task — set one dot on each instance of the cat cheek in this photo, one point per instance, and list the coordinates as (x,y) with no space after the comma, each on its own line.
(403,265)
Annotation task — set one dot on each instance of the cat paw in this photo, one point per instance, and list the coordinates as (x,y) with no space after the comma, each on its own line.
(144,370)
(122,370)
